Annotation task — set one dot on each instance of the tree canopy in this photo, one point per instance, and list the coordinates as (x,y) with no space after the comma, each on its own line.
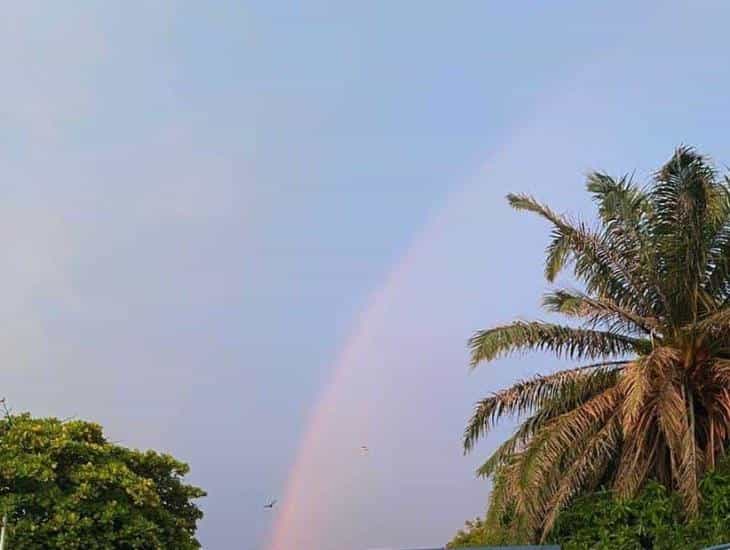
(651,318)
(63,485)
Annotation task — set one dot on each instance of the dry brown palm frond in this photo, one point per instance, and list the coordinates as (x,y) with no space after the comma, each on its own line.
(563,438)
(677,426)
(639,453)
(570,386)
(600,450)
(639,380)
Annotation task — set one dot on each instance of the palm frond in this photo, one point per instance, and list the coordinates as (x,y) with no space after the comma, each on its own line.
(637,383)
(567,387)
(599,261)
(717,271)
(672,408)
(638,454)
(555,448)
(594,458)
(618,200)
(717,322)
(562,433)
(569,239)
(566,341)
(683,204)
(597,311)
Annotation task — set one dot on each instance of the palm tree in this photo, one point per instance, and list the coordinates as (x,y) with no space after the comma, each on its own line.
(652,319)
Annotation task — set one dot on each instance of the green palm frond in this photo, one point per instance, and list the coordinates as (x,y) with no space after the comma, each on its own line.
(684,200)
(603,267)
(618,200)
(597,311)
(574,343)
(569,239)
(717,271)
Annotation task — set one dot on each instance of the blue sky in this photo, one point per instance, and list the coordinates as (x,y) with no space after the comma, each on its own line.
(212,208)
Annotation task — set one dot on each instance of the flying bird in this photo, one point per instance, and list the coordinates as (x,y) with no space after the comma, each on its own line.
(270,504)
(364,450)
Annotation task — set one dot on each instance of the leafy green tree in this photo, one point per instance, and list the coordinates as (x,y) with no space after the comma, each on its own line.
(651,319)
(63,485)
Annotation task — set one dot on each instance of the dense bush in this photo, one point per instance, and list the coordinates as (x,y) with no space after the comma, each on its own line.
(654,519)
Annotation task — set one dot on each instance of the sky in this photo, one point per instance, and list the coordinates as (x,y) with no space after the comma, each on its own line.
(257,235)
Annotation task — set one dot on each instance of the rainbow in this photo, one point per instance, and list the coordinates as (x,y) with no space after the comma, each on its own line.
(293,529)
(301,520)
(299,523)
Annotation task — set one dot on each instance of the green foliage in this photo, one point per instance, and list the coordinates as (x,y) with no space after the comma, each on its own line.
(654,519)
(478,532)
(63,485)
(601,521)
(473,533)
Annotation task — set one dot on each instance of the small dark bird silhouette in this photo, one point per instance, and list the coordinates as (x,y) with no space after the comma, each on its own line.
(364,450)
(270,504)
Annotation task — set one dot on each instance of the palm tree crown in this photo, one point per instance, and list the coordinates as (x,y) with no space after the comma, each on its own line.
(653,321)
